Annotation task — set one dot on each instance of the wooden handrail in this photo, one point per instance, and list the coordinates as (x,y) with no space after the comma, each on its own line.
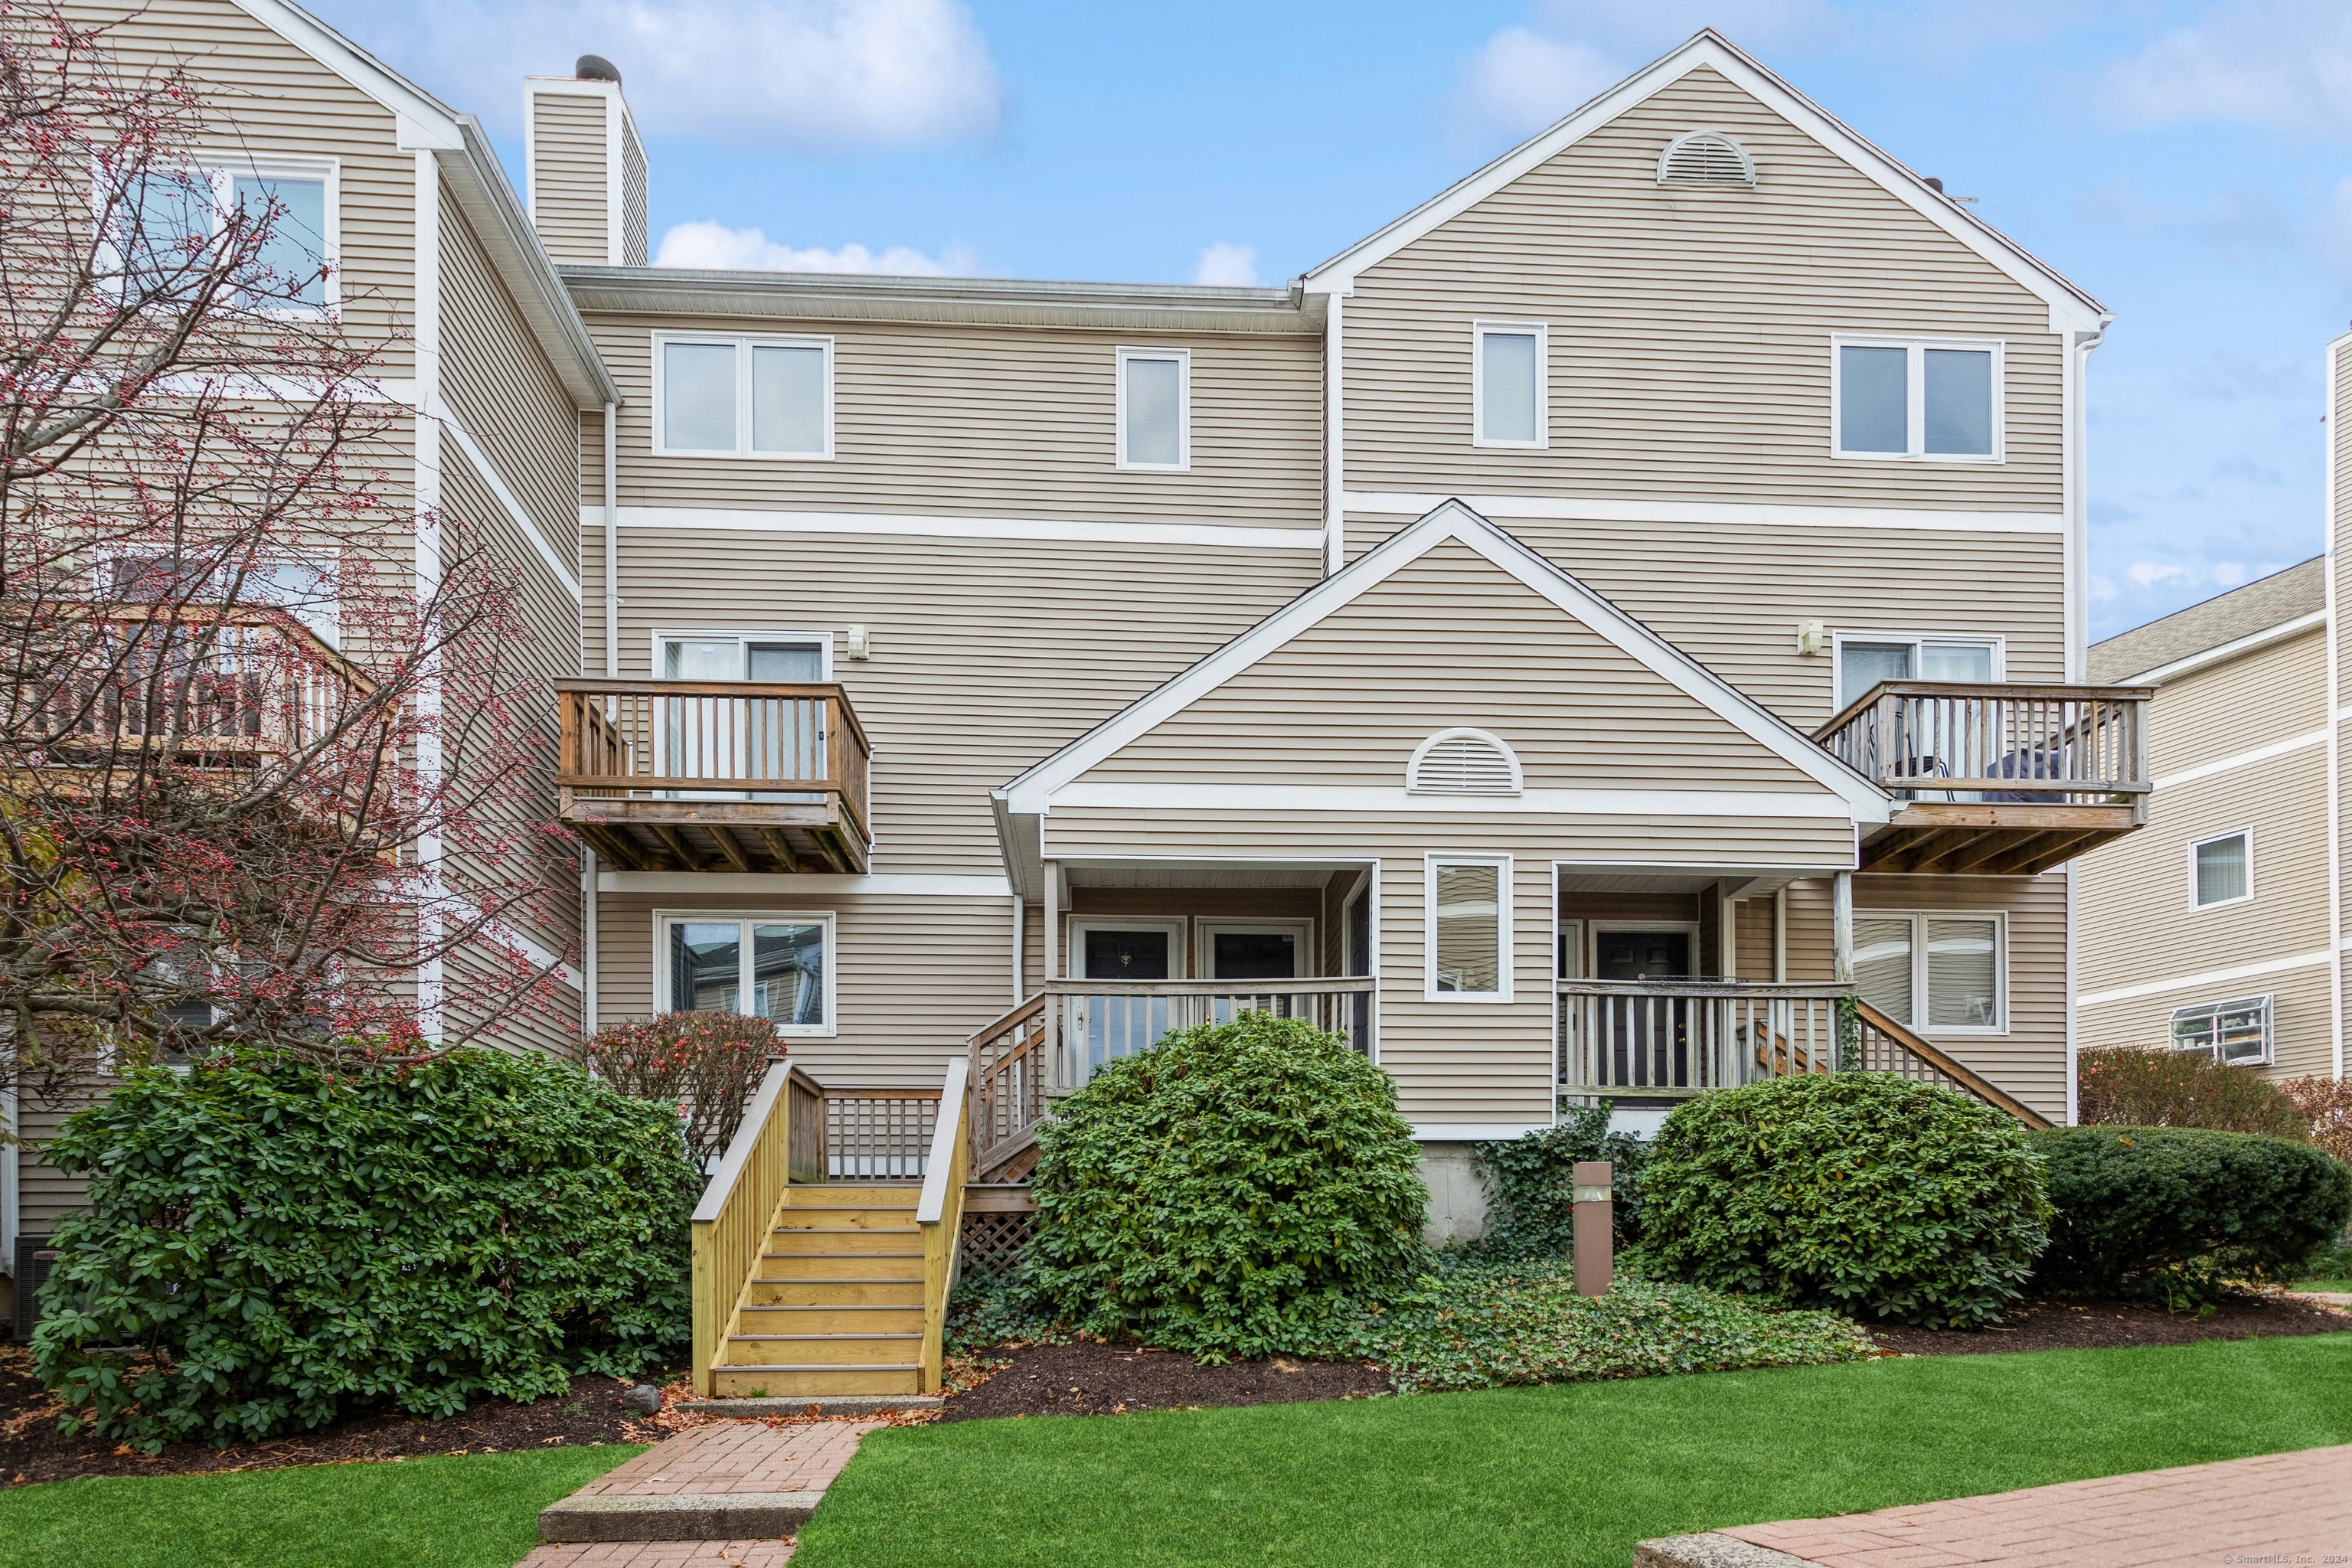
(1773,990)
(601,685)
(2019,744)
(1284,986)
(938,1214)
(2000,690)
(742,1202)
(1958,1072)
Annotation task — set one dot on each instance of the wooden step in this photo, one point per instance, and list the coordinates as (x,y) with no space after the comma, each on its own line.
(788,1381)
(860,1195)
(842,1265)
(835,1293)
(851,1216)
(834,1241)
(831,1317)
(825,1350)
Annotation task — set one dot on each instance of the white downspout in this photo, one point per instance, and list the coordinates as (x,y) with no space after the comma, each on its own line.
(611,541)
(1335,468)
(1019,945)
(588,941)
(1781,935)
(1842,926)
(2334,436)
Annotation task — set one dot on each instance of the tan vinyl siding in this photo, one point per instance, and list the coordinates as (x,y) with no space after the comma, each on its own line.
(266,97)
(633,197)
(1752,941)
(1731,596)
(2029,1057)
(568,196)
(46,1194)
(989,654)
(979,421)
(1076,832)
(1456,1062)
(1451,640)
(2255,700)
(916,975)
(1689,329)
(2302,1042)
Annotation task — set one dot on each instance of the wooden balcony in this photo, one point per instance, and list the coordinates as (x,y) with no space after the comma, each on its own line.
(715,775)
(1996,780)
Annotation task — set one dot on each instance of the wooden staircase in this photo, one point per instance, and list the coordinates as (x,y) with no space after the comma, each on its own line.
(835,1306)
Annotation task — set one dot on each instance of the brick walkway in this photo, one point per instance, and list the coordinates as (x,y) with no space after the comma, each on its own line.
(737,1457)
(2281,1508)
(663,1554)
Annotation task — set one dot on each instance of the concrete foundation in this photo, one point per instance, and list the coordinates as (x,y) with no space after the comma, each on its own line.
(1457,1199)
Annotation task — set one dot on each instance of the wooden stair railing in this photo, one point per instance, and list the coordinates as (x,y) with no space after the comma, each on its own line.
(938,1214)
(1885,1046)
(1008,1066)
(780,1141)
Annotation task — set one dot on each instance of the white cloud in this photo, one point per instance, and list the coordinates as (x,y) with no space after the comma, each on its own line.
(713,247)
(801,74)
(2241,222)
(1522,81)
(1227,266)
(2148,574)
(2229,573)
(1656,25)
(2102,588)
(2283,65)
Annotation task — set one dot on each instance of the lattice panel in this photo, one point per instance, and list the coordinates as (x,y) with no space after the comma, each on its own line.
(993,1243)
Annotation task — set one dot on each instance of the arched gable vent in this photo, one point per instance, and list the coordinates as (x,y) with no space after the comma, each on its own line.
(1463,761)
(1706,158)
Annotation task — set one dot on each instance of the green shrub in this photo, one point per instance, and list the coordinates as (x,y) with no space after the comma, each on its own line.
(1530,1185)
(2126,1086)
(2171,1212)
(1220,1193)
(1487,1325)
(277,1244)
(1860,1191)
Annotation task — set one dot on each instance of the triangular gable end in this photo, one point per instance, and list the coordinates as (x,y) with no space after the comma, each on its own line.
(1034,791)
(2070,309)
(424,121)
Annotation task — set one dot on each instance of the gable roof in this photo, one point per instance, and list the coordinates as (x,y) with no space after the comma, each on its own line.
(2070,309)
(1033,790)
(2239,621)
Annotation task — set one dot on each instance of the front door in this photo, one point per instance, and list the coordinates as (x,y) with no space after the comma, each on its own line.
(1112,1025)
(1648,1038)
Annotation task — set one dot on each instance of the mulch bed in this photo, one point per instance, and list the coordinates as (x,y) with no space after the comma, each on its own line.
(1092,1379)
(2053,1325)
(32,1450)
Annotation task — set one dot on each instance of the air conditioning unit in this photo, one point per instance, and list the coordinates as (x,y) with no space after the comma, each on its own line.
(35,1258)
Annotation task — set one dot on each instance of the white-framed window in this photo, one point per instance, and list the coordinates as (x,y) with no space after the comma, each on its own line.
(2238,1032)
(1467,936)
(1944,971)
(777,966)
(777,656)
(1510,396)
(1867,658)
(743,395)
(1897,399)
(1155,410)
(174,213)
(2221,870)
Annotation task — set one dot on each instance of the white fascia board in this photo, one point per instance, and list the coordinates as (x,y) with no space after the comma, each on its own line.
(1732,804)
(1741,514)
(2071,310)
(2231,649)
(1034,790)
(426,123)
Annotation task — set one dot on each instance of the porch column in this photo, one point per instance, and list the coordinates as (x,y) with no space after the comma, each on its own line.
(1053,920)
(1726,933)
(1842,924)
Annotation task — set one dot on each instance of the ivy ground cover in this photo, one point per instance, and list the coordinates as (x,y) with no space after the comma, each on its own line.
(1570,1475)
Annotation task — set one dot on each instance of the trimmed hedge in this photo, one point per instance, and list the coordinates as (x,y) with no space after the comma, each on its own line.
(1227,1191)
(2171,1212)
(2128,1086)
(1866,1191)
(279,1244)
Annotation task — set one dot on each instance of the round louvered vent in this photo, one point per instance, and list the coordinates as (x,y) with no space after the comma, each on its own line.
(1463,761)
(1706,158)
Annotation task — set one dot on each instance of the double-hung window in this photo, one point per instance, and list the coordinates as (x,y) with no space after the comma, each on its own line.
(742,396)
(2237,1031)
(1468,928)
(1510,405)
(1865,659)
(2221,870)
(1917,399)
(1943,973)
(167,225)
(1155,409)
(779,967)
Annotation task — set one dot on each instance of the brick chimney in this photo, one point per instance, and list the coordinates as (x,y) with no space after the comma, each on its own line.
(584,169)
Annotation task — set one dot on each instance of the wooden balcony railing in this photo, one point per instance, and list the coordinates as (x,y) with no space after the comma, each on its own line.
(715,776)
(1670,1040)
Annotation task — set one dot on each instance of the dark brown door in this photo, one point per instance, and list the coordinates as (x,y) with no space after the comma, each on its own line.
(1648,1036)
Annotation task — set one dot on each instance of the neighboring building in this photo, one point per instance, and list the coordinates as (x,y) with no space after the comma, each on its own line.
(1450,645)
(2211,928)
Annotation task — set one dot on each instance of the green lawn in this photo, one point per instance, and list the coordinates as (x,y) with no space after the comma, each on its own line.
(476,1511)
(2322,1285)
(1562,1475)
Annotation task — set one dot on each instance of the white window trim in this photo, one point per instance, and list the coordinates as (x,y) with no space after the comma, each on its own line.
(1205,930)
(1542,331)
(2196,843)
(2270,1027)
(662,635)
(1840,636)
(1175,926)
(1919,1008)
(742,343)
(1184,358)
(665,919)
(1916,400)
(224,169)
(1505,957)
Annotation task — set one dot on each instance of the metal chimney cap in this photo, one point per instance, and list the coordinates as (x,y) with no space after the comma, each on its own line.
(596,67)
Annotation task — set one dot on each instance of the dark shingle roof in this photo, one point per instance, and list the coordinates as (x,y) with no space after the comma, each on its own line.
(2259,606)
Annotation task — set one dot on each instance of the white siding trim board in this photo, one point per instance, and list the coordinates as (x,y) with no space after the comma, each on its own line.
(1564,508)
(2239,759)
(681,518)
(1287,798)
(2209,977)
(446,417)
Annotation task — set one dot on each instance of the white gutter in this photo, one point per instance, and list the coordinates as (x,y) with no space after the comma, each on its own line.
(2191,663)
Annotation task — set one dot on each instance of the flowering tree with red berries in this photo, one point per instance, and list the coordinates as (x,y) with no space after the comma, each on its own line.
(268,772)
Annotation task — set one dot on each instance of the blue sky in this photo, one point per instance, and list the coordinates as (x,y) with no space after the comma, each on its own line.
(2189,163)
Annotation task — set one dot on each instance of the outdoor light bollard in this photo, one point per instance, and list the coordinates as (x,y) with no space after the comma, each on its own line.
(1596,1228)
